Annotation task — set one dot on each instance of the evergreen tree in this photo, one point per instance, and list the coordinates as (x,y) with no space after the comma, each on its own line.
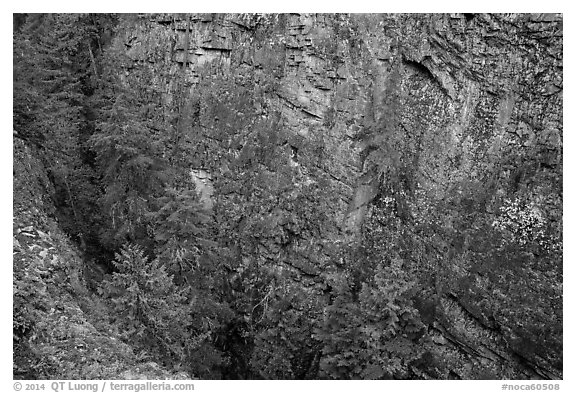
(53,75)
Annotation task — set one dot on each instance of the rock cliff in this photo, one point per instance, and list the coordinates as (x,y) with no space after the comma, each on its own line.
(433,138)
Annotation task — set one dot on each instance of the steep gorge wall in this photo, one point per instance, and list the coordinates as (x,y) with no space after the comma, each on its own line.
(289,112)
(323,77)
(60,329)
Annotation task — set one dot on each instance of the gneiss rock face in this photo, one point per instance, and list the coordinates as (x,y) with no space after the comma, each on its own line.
(385,189)
(203,182)
(449,124)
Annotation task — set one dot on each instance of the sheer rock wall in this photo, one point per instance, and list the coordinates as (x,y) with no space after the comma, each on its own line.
(462,102)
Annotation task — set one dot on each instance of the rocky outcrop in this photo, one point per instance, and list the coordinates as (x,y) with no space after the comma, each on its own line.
(204,188)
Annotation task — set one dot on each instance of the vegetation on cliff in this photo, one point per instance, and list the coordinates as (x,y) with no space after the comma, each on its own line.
(382,206)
